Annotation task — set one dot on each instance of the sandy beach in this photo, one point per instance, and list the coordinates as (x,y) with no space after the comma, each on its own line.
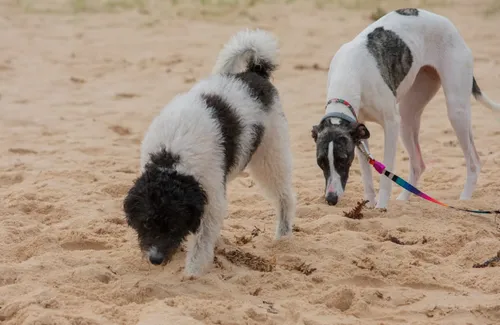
(80,81)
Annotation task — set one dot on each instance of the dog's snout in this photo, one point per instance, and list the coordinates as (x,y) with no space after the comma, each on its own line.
(155,257)
(332,198)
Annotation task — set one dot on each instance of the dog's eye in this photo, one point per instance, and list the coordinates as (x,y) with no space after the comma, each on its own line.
(322,163)
(341,163)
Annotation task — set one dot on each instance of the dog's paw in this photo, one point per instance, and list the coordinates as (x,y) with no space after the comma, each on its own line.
(381,206)
(372,201)
(465,196)
(283,231)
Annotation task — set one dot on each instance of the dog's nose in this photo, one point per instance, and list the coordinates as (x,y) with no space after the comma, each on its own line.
(156,259)
(332,198)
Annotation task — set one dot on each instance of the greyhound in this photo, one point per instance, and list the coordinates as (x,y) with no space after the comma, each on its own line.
(387,74)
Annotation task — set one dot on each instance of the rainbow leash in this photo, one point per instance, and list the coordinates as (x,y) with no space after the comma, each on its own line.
(381,169)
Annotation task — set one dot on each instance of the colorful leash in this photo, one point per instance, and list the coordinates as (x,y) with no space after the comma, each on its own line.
(380,168)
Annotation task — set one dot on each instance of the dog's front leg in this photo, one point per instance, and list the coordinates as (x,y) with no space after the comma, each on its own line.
(391,133)
(366,174)
(201,253)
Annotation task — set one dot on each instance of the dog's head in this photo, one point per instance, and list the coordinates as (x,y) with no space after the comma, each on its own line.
(336,140)
(163,207)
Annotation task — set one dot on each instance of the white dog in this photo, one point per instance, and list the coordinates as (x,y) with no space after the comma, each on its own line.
(387,74)
(200,141)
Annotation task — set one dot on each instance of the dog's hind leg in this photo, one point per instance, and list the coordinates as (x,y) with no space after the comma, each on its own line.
(411,107)
(457,84)
(271,168)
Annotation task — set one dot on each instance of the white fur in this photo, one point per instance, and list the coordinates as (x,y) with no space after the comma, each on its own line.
(236,53)
(434,41)
(334,184)
(185,127)
(486,101)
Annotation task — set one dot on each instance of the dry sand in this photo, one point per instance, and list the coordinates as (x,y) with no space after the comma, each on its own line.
(78,90)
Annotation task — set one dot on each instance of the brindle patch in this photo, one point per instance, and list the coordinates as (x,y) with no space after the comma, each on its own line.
(393,56)
(407,11)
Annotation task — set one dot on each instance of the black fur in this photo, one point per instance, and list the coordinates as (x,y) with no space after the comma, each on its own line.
(163,206)
(407,11)
(258,133)
(393,56)
(476,91)
(164,158)
(263,68)
(260,87)
(230,126)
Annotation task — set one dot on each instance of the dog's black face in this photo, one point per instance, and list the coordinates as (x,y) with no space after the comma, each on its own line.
(163,207)
(335,144)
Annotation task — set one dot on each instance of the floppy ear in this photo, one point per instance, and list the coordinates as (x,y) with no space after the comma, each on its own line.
(314,132)
(360,132)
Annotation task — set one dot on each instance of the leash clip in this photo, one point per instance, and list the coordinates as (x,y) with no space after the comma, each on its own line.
(364,150)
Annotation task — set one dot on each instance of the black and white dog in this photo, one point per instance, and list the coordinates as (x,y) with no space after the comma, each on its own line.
(200,141)
(388,74)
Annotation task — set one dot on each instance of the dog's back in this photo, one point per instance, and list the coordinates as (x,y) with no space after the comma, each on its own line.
(425,33)
(217,125)
(396,47)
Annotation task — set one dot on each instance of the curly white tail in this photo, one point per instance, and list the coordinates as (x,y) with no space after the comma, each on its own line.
(248,50)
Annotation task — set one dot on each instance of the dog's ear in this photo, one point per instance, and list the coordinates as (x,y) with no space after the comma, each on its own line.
(133,204)
(360,132)
(314,132)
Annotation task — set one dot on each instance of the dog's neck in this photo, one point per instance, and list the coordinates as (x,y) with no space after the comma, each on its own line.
(344,91)
(338,109)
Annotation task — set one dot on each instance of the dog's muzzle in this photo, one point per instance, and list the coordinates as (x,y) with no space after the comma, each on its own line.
(332,198)
(333,191)
(155,257)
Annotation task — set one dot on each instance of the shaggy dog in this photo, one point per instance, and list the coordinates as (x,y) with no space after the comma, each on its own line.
(200,141)
(387,74)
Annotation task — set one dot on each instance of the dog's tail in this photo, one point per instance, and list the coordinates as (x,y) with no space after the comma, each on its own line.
(482,98)
(249,50)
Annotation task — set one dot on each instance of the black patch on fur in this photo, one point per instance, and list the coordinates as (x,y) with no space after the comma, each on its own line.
(258,134)
(393,56)
(163,206)
(230,127)
(164,158)
(476,91)
(407,11)
(261,88)
(263,68)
